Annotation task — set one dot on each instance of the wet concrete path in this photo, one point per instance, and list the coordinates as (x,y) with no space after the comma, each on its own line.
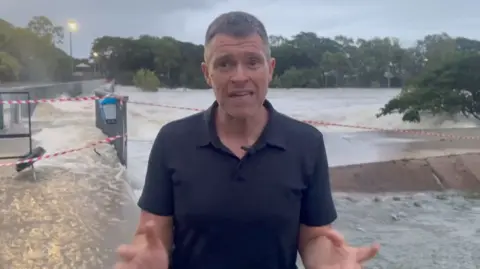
(64,220)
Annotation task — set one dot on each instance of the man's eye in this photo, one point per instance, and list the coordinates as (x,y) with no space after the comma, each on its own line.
(253,62)
(225,64)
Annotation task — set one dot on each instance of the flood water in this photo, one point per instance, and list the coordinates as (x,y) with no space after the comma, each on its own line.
(345,145)
(426,230)
(423,230)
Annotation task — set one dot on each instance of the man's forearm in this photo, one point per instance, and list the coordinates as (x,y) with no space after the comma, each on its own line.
(316,252)
(141,240)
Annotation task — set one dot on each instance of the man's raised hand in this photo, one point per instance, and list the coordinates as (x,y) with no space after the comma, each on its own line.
(152,254)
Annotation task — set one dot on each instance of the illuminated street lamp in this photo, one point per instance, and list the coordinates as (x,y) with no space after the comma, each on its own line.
(94,62)
(72,27)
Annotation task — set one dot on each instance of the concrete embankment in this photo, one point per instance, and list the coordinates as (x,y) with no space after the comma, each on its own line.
(458,172)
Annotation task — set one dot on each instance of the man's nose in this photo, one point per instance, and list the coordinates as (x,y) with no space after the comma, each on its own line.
(240,74)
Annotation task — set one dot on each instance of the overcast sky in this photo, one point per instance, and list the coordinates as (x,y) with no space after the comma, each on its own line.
(187,20)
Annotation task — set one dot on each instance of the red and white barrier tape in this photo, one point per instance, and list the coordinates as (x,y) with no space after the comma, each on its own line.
(166,106)
(61,153)
(316,123)
(325,123)
(407,131)
(56,100)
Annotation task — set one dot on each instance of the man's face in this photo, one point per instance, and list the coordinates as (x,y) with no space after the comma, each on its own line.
(239,71)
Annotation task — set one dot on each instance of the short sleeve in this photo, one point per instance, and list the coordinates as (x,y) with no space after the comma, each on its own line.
(157,194)
(318,208)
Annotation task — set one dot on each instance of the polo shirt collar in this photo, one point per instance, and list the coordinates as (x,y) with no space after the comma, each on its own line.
(273,134)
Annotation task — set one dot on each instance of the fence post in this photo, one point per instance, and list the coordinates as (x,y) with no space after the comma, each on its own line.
(124,130)
(15,113)
(3,97)
(1,114)
(119,128)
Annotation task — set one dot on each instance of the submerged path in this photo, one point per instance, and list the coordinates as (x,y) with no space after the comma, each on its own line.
(80,208)
(63,220)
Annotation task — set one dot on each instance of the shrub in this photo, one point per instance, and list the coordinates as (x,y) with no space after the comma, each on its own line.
(146,80)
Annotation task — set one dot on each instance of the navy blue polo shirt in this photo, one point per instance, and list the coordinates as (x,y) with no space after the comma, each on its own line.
(232,213)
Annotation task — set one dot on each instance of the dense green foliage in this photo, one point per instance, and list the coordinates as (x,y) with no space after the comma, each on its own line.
(29,53)
(439,74)
(305,60)
(452,88)
(146,80)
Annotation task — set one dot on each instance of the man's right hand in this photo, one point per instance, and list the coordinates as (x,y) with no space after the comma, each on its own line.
(150,255)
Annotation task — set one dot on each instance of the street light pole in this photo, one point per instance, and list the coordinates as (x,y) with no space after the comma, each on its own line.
(71,53)
(95,56)
(73,27)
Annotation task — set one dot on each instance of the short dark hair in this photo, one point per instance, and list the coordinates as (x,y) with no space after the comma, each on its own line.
(237,24)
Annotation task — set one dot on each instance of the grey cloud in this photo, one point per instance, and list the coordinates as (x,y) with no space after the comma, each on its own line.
(188,19)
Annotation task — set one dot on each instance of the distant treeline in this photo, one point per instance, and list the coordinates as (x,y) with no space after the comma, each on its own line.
(304,60)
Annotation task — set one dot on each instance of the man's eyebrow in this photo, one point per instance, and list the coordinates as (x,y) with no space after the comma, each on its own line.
(255,54)
(222,57)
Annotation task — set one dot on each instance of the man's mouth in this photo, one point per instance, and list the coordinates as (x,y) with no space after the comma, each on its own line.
(240,94)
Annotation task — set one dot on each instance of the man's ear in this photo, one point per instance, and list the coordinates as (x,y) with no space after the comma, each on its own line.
(271,68)
(206,74)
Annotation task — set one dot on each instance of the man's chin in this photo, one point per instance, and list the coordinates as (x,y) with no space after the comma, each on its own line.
(241,113)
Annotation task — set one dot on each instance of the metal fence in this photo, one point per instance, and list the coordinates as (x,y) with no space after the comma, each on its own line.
(14,115)
(15,126)
(48,91)
(118,128)
(15,118)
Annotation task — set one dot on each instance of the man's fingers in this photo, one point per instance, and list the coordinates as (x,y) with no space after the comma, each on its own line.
(151,235)
(366,253)
(125,265)
(335,237)
(127,252)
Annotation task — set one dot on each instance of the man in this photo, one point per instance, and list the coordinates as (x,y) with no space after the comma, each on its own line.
(240,185)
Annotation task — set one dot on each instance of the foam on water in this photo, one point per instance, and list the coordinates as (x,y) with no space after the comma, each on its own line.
(71,124)
(414,230)
(64,126)
(342,106)
(62,138)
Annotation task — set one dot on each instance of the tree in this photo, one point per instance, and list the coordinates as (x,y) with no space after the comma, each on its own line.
(30,53)
(304,60)
(451,88)
(44,28)
(146,80)
(9,67)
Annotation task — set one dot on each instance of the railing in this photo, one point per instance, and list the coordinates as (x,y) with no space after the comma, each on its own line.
(15,126)
(16,113)
(117,128)
(48,91)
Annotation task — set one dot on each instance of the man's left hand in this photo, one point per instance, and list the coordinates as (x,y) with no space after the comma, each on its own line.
(340,255)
